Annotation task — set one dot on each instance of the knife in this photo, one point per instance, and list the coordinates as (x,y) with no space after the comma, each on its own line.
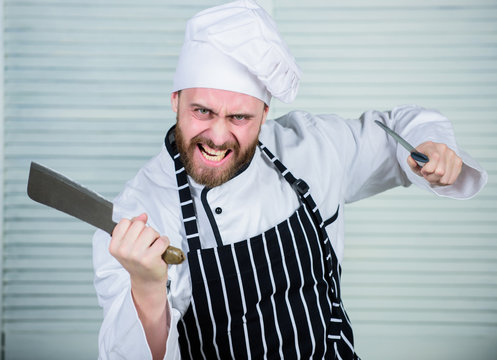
(57,191)
(420,158)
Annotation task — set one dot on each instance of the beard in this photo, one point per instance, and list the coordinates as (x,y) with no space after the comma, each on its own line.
(207,175)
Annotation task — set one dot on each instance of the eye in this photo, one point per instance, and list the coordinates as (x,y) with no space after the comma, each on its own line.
(202,113)
(239,117)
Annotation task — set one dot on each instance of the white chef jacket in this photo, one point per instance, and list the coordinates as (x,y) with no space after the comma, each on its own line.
(341,161)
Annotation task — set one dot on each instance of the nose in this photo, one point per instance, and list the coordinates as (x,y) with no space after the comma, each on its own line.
(220,131)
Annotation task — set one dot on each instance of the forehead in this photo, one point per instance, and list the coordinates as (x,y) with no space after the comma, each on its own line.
(217,99)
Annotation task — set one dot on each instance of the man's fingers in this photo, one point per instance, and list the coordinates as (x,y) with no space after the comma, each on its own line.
(138,240)
(131,238)
(124,224)
(121,228)
(413,165)
(139,249)
(142,217)
(134,230)
(431,166)
(118,234)
(448,175)
(159,246)
(453,171)
(444,166)
(457,170)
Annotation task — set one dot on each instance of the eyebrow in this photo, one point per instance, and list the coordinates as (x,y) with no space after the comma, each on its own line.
(197,105)
(192,105)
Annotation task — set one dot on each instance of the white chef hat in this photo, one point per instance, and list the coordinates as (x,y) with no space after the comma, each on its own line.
(237,47)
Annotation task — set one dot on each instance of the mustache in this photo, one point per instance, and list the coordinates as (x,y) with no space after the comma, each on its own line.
(199,139)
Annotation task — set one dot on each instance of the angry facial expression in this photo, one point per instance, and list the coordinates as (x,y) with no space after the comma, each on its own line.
(216,132)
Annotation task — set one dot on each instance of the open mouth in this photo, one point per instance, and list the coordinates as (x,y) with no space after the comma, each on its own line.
(211,154)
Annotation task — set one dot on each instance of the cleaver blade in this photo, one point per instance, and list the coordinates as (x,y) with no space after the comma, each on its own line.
(53,189)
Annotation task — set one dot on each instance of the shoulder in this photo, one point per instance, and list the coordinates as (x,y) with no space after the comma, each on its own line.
(311,147)
(305,133)
(300,126)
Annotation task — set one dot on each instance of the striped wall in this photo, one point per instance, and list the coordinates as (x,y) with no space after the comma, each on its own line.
(86,91)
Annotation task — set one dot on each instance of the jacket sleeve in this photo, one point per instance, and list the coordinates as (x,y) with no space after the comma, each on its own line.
(121,334)
(375,162)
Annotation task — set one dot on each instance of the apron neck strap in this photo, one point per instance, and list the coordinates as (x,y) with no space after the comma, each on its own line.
(185,196)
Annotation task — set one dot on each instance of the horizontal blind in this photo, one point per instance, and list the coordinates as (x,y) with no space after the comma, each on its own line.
(419,273)
(87,87)
(1,165)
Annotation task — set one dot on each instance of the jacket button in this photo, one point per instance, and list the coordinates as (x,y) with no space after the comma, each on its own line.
(218,210)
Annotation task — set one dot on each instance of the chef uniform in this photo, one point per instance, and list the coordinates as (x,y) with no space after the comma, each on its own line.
(262,277)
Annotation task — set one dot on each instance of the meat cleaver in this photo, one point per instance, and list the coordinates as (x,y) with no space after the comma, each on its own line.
(57,191)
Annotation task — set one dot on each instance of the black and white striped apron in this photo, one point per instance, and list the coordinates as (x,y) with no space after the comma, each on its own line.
(274,296)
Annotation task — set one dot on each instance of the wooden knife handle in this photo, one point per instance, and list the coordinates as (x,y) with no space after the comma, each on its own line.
(173,256)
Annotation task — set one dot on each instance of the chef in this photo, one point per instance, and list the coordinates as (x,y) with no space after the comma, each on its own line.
(257,205)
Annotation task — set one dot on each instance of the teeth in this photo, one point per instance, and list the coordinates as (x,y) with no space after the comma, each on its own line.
(212,154)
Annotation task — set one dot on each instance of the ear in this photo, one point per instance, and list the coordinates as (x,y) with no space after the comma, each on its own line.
(175,101)
(264,114)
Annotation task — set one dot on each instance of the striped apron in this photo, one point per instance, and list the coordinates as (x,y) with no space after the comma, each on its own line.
(275,295)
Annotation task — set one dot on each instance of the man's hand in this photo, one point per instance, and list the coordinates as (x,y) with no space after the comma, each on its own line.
(139,249)
(444,166)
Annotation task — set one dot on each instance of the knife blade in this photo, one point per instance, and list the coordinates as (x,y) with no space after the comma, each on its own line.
(53,189)
(420,158)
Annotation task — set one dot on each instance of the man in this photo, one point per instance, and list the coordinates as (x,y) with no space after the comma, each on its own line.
(257,205)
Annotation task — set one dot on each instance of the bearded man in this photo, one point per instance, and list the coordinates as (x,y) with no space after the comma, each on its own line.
(256,204)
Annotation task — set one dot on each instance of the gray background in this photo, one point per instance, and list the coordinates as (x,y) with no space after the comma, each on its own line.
(86,87)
